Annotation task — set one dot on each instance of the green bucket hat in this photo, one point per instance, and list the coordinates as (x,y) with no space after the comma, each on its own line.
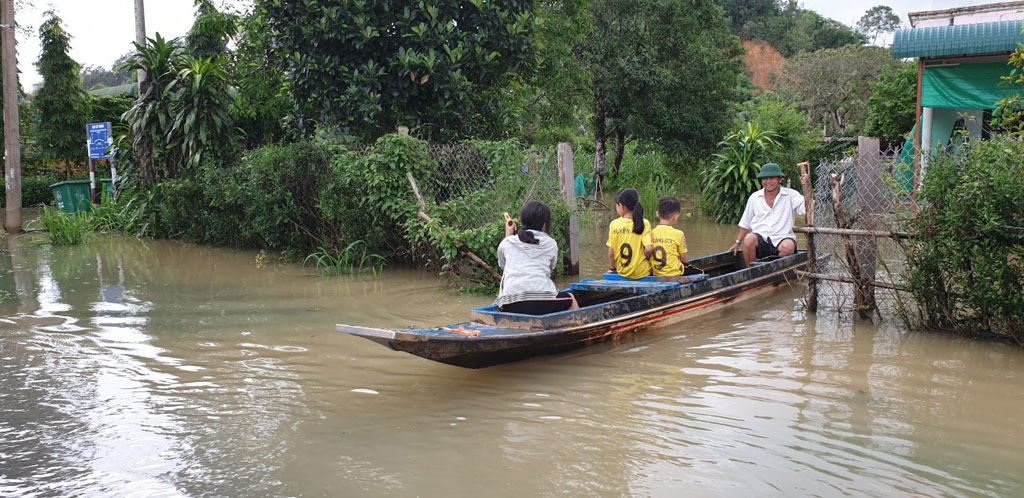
(769,170)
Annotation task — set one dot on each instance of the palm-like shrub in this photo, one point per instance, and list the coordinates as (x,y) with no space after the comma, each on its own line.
(732,176)
(181,116)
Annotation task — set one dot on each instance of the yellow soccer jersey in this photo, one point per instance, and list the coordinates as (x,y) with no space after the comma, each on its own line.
(669,244)
(630,258)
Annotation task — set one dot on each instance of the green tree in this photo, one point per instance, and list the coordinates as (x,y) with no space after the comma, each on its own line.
(892,106)
(60,101)
(743,12)
(260,103)
(833,85)
(557,95)
(438,66)
(794,30)
(209,35)
(662,71)
(878,20)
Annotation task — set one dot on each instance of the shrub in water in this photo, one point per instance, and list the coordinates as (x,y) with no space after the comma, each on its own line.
(66,229)
(966,266)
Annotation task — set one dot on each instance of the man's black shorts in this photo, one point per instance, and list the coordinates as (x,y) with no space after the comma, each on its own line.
(766,248)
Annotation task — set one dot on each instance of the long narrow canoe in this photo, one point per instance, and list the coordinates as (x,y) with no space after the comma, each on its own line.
(609,309)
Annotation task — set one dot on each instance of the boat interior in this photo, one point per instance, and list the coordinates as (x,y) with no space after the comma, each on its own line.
(613,295)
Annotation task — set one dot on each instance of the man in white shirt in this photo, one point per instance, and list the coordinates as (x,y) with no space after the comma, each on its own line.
(766,227)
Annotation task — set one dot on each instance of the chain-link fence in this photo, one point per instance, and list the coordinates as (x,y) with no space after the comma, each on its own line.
(870,190)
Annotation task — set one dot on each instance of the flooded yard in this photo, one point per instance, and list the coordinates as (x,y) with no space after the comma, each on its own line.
(160,368)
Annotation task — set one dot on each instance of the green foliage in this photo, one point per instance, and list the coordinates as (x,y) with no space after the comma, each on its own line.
(97,77)
(833,85)
(202,123)
(269,199)
(966,267)
(1009,113)
(208,38)
(260,103)
(773,115)
(892,106)
(557,94)
(438,67)
(66,229)
(128,214)
(732,177)
(794,30)
(354,258)
(662,71)
(35,190)
(151,116)
(108,108)
(744,12)
(878,20)
(370,195)
(181,119)
(60,102)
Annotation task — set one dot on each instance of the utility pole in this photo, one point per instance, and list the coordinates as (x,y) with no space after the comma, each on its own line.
(12,136)
(140,36)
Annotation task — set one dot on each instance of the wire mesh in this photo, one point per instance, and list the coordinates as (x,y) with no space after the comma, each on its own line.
(862,191)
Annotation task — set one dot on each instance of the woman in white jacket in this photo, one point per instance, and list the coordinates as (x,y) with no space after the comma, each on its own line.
(527,256)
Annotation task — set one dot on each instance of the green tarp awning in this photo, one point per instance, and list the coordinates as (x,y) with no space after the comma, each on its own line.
(968,86)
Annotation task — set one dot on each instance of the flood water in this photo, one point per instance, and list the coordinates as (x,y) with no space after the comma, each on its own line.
(159,368)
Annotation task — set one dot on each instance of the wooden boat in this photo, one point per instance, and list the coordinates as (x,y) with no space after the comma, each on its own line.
(609,309)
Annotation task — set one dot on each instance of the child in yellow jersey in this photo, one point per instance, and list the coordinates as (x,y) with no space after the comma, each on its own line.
(629,237)
(669,256)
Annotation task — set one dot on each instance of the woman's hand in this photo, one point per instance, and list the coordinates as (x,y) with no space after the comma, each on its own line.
(510,225)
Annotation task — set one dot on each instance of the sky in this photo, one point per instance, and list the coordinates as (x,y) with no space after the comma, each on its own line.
(103,30)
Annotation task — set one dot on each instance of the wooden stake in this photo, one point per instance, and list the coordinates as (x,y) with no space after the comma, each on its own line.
(567,182)
(812,257)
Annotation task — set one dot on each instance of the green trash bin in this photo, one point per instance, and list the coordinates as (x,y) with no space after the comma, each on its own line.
(73,196)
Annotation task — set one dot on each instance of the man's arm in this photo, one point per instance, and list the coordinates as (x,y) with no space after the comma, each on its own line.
(739,240)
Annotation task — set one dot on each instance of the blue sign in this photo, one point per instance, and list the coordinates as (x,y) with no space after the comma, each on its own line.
(100,140)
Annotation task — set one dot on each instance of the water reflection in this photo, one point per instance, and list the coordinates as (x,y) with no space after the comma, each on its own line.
(160,368)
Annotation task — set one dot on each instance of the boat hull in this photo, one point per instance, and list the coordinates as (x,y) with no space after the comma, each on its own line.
(493,337)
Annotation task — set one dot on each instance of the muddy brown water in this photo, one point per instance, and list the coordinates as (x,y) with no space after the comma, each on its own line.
(159,368)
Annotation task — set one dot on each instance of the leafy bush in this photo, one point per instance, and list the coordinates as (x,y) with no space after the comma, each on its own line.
(774,115)
(369,198)
(35,190)
(966,267)
(732,177)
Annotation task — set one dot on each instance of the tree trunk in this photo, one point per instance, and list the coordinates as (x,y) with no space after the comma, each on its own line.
(140,35)
(601,137)
(620,148)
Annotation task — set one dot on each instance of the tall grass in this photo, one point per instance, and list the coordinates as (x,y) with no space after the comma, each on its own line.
(127,214)
(66,229)
(354,258)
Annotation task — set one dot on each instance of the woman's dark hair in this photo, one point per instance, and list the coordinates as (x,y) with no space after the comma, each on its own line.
(631,199)
(534,216)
